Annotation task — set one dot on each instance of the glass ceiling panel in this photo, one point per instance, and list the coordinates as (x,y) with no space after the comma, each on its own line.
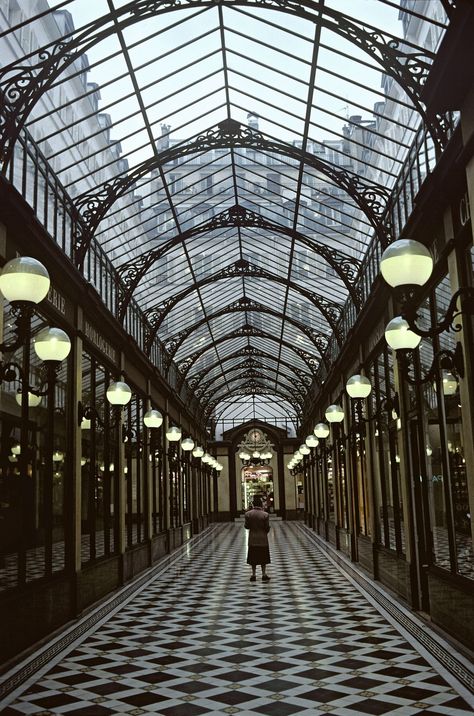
(150,87)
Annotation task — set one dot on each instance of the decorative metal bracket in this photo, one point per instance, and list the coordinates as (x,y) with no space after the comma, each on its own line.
(388,406)
(88,412)
(445,359)
(465,296)
(23,312)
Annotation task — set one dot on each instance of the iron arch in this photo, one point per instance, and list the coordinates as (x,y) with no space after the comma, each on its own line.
(22,83)
(217,394)
(252,352)
(246,331)
(133,271)
(331,311)
(254,386)
(93,206)
(252,389)
(251,369)
(244,304)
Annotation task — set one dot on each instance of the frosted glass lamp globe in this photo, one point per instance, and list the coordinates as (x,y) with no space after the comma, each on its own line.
(399,336)
(153,419)
(312,441)
(334,414)
(304,449)
(173,434)
(52,344)
(187,444)
(406,262)
(358,386)
(321,430)
(24,279)
(198,451)
(119,393)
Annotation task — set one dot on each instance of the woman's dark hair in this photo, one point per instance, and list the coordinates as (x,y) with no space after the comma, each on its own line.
(257,501)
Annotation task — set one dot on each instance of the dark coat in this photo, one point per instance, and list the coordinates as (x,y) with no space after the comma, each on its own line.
(257,521)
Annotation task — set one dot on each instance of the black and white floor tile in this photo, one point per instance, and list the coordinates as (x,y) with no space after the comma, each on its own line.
(201,639)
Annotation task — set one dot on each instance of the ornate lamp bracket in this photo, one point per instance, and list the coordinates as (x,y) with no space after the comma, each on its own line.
(462,302)
(445,359)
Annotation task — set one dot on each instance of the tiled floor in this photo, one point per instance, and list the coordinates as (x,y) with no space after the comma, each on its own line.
(201,639)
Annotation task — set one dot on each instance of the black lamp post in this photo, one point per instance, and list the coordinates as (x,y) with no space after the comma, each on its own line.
(25,282)
(407,265)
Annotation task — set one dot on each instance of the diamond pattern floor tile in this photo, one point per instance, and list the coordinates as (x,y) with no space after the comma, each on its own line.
(200,639)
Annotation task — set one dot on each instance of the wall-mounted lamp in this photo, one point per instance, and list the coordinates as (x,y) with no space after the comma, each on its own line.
(173,434)
(52,346)
(334,413)
(187,444)
(153,419)
(24,282)
(321,430)
(407,265)
(118,395)
(358,388)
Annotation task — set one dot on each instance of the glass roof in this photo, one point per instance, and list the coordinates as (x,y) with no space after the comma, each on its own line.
(235,158)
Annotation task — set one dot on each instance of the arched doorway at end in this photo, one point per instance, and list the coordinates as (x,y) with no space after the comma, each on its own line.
(257,480)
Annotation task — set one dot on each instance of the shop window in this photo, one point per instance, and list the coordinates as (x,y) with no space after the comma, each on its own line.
(32,486)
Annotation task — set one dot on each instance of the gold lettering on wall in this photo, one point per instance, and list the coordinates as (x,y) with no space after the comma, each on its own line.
(56,300)
(98,341)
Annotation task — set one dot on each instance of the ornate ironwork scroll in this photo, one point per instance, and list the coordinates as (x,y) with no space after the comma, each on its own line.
(254,380)
(251,368)
(246,331)
(131,272)
(93,206)
(331,311)
(244,304)
(252,352)
(23,82)
(253,389)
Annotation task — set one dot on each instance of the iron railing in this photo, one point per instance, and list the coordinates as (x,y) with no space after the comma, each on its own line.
(33,177)
(420,161)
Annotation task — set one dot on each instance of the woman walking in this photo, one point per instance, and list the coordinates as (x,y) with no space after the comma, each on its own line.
(257,521)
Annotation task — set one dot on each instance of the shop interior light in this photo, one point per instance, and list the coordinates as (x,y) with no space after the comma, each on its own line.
(450,384)
(33,400)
